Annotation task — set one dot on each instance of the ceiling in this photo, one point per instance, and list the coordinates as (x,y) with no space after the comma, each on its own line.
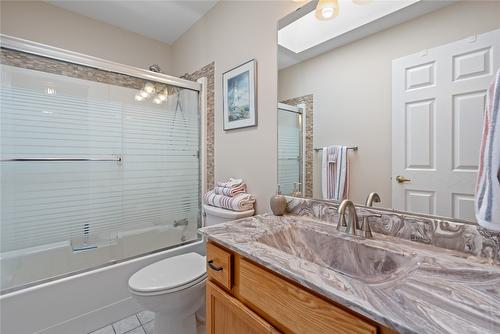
(301,36)
(162,20)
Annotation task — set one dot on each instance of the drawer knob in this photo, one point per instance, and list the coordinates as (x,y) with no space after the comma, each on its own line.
(213,267)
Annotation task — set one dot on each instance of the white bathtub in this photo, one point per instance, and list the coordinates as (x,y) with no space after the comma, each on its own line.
(86,301)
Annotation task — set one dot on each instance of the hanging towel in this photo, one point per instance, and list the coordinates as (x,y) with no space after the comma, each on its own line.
(231,191)
(488,180)
(240,202)
(335,173)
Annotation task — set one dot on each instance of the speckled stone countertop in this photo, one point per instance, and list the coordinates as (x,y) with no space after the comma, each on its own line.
(406,286)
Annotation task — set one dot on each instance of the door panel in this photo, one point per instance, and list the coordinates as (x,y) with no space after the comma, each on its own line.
(438,101)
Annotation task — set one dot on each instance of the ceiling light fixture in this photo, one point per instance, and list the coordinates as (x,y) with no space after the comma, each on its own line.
(327,9)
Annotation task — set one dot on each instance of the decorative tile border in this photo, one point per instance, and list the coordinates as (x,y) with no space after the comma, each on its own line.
(208,72)
(470,239)
(308,101)
(54,66)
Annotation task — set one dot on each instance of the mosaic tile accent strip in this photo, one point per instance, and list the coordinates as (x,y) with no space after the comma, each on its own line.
(208,71)
(469,239)
(54,66)
(308,101)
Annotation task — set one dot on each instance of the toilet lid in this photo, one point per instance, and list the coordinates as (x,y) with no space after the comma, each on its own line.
(169,274)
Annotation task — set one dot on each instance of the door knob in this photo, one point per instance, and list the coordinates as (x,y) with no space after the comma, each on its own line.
(401,179)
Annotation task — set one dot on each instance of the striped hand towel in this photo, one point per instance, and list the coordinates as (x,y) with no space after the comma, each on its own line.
(488,180)
(231,191)
(240,202)
(335,173)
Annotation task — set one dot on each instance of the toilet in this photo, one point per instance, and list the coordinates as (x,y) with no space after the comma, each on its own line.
(174,288)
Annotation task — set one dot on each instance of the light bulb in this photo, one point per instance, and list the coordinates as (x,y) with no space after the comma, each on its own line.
(149,88)
(327,12)
(138,97)
(157,100)
(327,9)
(143,93)
(162,97)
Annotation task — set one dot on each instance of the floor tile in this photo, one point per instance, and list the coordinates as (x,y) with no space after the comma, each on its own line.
(148,327)
(126,325)
(105,330)
(145,316)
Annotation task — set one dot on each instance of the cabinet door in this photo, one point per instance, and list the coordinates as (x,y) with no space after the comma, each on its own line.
(227,315)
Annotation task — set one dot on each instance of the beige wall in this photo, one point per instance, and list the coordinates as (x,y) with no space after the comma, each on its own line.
(44,23)
(232,33)
(352,88)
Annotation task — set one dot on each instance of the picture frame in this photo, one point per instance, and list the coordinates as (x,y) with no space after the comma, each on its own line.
(240,96)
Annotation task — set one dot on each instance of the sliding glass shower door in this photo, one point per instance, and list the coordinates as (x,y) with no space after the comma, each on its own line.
(290,138)
(96,167)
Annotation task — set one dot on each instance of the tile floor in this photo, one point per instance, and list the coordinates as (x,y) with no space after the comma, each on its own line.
(140,323)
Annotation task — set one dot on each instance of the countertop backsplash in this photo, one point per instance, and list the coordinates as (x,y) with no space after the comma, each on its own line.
(469,239)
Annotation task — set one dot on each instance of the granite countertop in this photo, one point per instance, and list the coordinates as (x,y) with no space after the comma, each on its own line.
(420,289)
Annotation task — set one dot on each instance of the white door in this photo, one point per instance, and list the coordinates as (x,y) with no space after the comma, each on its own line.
(438,100)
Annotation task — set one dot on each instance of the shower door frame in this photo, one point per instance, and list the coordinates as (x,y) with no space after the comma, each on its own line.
(298,109)
(23,45)
(43,50)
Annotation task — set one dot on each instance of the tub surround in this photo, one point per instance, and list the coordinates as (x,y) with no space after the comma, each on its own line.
(434,290)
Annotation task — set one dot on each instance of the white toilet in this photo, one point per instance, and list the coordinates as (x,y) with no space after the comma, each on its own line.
(174,288)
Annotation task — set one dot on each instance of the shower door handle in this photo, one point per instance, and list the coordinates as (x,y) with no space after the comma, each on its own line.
(213,267)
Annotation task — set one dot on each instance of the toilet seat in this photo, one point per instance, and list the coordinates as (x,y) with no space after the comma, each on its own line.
(169,275)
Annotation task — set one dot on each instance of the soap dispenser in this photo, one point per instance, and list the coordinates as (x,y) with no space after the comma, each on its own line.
(278,203)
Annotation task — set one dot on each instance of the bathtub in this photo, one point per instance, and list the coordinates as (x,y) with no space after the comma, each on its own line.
(87,300)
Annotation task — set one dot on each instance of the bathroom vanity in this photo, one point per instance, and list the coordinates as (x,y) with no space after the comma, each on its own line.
(244,297)
(297,274)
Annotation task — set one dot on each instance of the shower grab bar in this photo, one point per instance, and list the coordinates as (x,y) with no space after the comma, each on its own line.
(354,148)
(119,159)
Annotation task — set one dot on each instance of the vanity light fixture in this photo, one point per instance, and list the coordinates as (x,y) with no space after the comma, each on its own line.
(149,88)
(157,100)
(143,93)
(138,97)
(161,96)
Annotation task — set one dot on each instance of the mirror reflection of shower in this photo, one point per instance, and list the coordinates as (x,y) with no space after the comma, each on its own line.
(290,149)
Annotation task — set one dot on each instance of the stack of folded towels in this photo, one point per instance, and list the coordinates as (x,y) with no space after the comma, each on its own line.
(231,195)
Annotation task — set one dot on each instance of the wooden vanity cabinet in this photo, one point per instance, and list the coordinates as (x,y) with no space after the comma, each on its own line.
(243,297)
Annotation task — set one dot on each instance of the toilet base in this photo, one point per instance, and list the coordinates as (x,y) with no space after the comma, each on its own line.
(165,324)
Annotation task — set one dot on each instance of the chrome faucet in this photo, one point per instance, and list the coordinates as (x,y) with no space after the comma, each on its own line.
(373,197)
(352,224)
(367,231)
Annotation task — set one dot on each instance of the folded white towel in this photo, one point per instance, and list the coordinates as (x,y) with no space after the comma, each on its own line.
(239,202)
(231,183)
(488,181)
(335,173)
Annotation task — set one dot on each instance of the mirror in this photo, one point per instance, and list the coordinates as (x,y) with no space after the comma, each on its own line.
(395,88)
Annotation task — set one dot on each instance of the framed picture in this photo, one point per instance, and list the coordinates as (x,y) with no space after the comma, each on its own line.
(239,96)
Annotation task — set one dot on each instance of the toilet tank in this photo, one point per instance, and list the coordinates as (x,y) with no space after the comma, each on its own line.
(214,215)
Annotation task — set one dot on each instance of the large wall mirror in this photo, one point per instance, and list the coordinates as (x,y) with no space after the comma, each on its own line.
(397,89)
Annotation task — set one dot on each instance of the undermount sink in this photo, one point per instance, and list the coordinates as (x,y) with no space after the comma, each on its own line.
(350,257)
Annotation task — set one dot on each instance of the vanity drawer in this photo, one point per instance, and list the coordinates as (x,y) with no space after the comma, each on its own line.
(219,265)
(292,309)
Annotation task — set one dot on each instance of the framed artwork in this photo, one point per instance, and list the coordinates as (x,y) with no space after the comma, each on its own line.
(239,96)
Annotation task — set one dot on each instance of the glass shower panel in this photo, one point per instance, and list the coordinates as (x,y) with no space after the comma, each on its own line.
(289,150)
(90,175)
